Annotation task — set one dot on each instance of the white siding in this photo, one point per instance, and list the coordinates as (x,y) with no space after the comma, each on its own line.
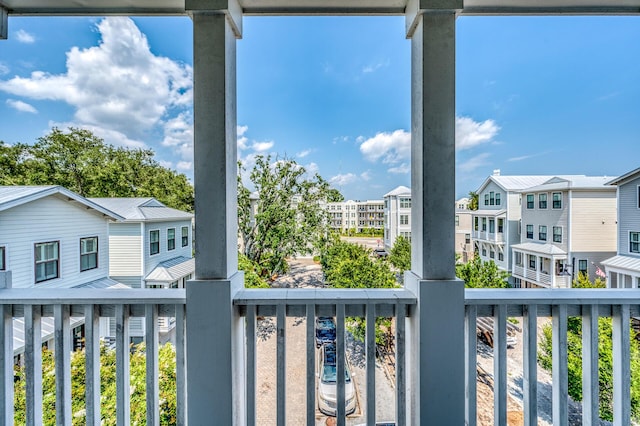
(593,222)
(125,249)
(52,219)
(492,187)
(151,262)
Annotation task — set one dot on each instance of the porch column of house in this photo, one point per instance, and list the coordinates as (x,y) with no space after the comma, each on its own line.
(4,23)
(215,332)
(435,342)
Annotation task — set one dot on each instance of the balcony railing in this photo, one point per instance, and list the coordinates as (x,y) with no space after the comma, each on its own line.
(90,305)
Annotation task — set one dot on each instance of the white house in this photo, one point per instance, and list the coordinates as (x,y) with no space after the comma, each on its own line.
(623,269)
(152,246)
(397,215)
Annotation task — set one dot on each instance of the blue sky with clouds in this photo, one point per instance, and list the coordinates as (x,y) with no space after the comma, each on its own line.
(542,95)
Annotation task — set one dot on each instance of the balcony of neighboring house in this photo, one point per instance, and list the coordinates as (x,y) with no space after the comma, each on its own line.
(489,226)
(541,266)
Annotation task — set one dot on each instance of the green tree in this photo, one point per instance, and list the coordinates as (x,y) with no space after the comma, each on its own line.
(334,196)
(167,388)
(473,200)
(479,274)
(80,161)
(288,217)
(605,358)
(400,255)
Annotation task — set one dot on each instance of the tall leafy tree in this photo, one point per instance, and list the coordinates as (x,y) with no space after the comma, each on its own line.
(479,274)
(84,163)
(400,255)
(287,217)
(473,200)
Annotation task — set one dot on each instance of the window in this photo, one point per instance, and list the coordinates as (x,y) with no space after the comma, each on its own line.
(484,251)
(530,232)
(171,238)
(639,196)
(542,233)
(154,242)
(407,235)
(467,238)
(185,236)
(557,200)
(484,224)
(47,264)
(518,258)
(88,253)
(492,225)
(500,256)
(457,220)
(3,264)
(542,201)
(582,266)
(405,203)
(475,223)
(500,225)
(486,199)
(532,262)
(557,234)
(492,198)
(492,254)
(404,219)
(497,198)
(529,201)
(634,242)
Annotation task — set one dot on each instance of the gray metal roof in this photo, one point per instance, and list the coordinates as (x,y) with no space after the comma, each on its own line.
(13,196)
(142,209)
(574,182)
(623,262)
(401,190)
(487,212)
(301,7)
(105,282)
(172,270)
(627,176)
(548,249)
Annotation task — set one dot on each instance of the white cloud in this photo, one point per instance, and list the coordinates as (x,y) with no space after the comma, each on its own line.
(21,106)
(262,146)
(470,133)
(473,163)
(304,153)
(119,85)
(166,164)
(312,169)
(24,37)
(184,165)
(343,179)
(391,148)
(375,66)
(365,175)
(521,158)
(3,69)
(110,136)
(403,168)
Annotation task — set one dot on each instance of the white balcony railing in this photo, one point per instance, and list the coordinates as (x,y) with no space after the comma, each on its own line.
(530,304)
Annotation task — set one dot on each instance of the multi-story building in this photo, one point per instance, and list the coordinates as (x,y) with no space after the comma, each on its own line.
(356,215)
(152,246)
(623,270)
(397,215)
(464,248)
(496,222)
(568,226)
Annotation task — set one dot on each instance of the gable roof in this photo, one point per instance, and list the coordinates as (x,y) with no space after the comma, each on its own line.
(573,182)
(142,209)
(401,190)
(514,183)
(14,196)
(625,177)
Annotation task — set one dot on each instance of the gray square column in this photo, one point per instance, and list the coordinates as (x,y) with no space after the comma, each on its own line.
(435,343)
(215,329)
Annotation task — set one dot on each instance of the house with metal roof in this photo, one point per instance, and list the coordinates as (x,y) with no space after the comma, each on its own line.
(397,215)
(623,269)
(567,227)
(152,246)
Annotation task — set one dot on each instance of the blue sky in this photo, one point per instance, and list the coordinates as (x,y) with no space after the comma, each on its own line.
(543,95)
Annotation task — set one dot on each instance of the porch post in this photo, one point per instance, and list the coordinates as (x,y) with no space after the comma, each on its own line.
(436,344)
(215,332)
(4,23)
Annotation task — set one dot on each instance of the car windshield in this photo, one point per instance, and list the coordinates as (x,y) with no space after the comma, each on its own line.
(329,374)
(325,323)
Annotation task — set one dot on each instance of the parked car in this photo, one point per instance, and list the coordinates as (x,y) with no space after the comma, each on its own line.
(380,252)
(327,384)
(325,331)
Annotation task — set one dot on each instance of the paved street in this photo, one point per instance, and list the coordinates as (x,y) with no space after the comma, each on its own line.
(304,273)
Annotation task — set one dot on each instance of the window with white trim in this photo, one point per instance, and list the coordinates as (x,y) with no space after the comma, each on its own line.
(405,203)
(404,219)
(484,251)
(457,220)
(500,256)
(582,266)
(557,200)
(500,225)
(492,225)
(530,201)
(486,199)
(88,253)
(542,233)
(530,232)
(467,238)
(484,224)
(171,239)
(154,242)
(492,254)
(185,236)
(542,201)
(3,259)
(497,198)
(518,258)
(557,234)
(47,261)
(634,242)
(532,262)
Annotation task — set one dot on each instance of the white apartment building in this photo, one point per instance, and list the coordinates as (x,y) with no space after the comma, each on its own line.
(397,215)
(356,215)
